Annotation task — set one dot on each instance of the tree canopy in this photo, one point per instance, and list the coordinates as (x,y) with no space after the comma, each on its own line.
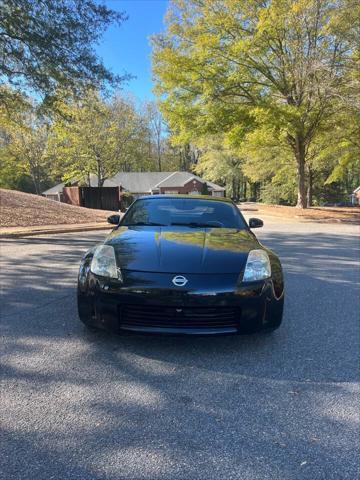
(93,135)
(90,134)
(48,45)
(259,73)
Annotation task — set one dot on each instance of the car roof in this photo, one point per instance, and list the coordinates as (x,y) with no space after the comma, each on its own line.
(185,196)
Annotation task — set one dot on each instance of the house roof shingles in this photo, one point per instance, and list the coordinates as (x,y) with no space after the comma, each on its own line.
(139,182)
(93,183)
(179,179)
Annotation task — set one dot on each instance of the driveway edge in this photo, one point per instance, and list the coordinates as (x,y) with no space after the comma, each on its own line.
(51,229)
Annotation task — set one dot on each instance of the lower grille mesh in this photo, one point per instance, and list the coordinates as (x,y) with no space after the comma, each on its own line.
(178,317)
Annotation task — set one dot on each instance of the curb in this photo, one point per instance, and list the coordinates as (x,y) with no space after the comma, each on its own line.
(54,231)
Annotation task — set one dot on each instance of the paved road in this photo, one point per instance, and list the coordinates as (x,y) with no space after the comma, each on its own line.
(77,405)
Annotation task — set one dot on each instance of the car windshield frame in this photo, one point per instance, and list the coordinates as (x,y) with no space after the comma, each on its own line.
(237,221)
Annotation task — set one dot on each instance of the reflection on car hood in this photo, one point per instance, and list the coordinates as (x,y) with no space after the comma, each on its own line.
(182,249)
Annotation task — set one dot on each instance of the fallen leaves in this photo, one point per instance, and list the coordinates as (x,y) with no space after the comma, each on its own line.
(19,209)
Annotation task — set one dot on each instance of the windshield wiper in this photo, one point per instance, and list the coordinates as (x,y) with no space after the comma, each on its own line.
(145,224)
(196,225)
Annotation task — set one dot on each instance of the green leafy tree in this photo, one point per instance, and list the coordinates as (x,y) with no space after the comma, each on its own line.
(228,66)
(46,45)
(221,165)
(156,130)
(23,146)
(92,135)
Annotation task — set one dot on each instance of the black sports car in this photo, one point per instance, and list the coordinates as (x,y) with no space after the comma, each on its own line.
(181,264)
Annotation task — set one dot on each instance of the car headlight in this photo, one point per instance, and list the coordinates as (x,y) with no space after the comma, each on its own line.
(104,262)
(257,266)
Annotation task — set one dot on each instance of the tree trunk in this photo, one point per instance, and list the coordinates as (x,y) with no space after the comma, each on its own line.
(233,188)
(300,158)
(36,184)
(35,178)
(99,174)
(238,189)
(257,191)
(310,188)
(100,183)
(159,159)
(149,145)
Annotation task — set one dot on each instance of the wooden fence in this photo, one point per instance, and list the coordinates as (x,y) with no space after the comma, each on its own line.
(102,198)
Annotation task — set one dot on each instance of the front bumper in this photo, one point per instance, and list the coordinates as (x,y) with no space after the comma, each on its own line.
(209,305)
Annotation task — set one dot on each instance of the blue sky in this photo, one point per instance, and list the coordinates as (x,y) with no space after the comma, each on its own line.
(127,48)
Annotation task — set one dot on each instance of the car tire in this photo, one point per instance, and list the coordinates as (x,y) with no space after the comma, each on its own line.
(270,330)
(276,316)
(85,312)
(90,328)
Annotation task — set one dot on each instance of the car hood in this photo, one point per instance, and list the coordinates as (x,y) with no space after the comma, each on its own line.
(182,249)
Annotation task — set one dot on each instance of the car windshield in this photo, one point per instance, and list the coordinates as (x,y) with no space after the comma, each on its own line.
(190,212)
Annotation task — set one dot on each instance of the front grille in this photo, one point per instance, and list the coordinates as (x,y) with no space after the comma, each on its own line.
(150,316)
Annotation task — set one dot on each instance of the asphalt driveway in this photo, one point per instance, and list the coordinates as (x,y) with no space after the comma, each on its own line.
(77,405)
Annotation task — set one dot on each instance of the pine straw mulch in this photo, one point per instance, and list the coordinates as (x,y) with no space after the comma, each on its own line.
(19,209)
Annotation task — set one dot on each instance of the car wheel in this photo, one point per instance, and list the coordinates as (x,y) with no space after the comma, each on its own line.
(85,311)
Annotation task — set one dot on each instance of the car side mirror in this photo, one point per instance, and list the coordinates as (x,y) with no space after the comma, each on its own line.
(114,219)
(255,223)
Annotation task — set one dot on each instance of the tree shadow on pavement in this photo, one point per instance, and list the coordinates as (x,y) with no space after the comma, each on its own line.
(102,406)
